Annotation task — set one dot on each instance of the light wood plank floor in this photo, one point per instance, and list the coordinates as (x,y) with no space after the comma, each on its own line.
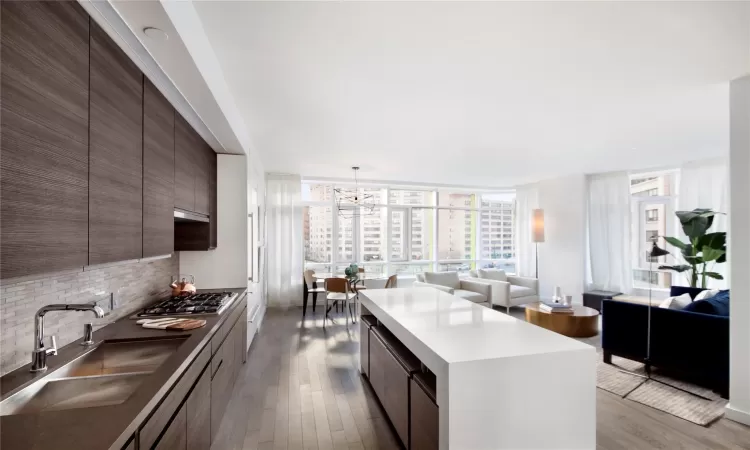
(301,389)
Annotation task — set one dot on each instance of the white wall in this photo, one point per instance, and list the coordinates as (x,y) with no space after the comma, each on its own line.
(739,252)
(562,255)
(226,266)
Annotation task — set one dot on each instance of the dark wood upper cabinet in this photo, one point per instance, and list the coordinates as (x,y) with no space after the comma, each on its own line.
(202,177)
(115,153)
(213,199)
(184,164)
(44,137)
(158,172)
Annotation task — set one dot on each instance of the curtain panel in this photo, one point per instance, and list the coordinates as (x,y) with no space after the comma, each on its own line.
(705,184)
(609,254)
(284,239)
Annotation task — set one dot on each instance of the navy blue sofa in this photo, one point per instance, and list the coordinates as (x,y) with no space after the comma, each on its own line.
(687,345)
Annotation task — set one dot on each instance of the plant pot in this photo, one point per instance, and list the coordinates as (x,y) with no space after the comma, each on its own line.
(674,291)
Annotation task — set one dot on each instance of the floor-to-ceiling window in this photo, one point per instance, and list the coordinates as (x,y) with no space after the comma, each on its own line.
(407,230)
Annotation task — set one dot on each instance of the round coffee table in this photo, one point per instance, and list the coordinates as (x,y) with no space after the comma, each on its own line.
(584,322)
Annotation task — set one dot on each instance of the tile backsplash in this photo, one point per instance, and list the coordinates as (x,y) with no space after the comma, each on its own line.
(133,285)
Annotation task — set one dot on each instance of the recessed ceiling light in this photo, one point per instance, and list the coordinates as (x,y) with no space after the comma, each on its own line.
(155,33)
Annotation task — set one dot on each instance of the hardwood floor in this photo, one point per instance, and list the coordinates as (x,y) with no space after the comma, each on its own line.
(301,389)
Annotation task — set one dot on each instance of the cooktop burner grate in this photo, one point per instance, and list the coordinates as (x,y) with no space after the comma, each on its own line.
(190,305)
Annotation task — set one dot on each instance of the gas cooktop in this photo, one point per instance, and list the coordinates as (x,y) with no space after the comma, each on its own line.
(205,304)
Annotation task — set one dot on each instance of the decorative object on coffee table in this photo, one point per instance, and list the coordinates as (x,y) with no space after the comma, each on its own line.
(583,322)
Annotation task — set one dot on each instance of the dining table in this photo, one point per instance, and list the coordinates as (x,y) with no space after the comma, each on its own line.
(361,277)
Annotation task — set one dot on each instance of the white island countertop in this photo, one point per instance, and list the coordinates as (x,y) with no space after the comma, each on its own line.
(502,382)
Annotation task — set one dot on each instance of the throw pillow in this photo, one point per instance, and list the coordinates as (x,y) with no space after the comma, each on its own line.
(666,302)
(718,305)
(447,279)
(705,295)
(493,274)
(681,301)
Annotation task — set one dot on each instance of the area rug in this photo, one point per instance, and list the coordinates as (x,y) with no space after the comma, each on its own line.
(675,398)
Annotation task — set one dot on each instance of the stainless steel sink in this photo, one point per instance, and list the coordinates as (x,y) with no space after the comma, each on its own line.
(107,375)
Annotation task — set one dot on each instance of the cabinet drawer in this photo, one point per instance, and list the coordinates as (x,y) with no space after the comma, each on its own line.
(395,397)
(364,348)
(174,437)
(424,418)
(153,427)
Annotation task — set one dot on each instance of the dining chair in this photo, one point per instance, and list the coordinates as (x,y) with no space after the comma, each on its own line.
(310,286)
(338,290)
(392,282)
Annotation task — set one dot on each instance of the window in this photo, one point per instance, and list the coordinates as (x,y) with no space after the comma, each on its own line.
(372,242)
(652,216)
(422,224)
(455,229)
(408,231)
(317,226)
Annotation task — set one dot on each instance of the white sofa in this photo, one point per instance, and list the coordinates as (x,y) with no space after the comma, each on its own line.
(473,290)
(507,290)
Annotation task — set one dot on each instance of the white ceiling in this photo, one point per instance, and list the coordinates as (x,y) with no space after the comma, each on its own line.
(479,93)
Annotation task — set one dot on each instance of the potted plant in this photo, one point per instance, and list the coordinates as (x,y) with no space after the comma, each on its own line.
(703,248)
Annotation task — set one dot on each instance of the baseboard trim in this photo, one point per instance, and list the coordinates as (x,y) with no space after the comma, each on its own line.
(737,415)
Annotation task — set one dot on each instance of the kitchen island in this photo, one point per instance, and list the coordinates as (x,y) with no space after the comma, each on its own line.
(501,383)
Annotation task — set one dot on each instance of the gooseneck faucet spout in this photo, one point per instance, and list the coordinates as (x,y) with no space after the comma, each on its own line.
(40,352)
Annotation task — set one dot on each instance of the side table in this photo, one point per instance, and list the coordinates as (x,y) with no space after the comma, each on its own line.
(593,299)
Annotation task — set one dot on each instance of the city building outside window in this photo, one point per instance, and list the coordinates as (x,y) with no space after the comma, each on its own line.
(652,211)
(416,230)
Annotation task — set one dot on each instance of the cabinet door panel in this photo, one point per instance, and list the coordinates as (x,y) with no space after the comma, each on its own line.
(199,413)
(184,165)
(115,153)
(158,172)
(175,436)
(44,73)
(395,397)
(212,201)
(202,177)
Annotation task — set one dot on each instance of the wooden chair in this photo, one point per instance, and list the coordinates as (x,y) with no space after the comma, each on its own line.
(392,282)
(310,286)
(338,291)
(361,271)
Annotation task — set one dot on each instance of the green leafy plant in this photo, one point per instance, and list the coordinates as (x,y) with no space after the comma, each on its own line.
(703,248)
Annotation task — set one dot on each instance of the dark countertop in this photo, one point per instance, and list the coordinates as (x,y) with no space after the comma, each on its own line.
(105,427)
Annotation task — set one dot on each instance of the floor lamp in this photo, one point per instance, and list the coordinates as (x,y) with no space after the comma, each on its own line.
(655,252)
(537,234)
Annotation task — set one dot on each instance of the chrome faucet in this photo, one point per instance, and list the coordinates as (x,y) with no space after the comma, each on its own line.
(40,352)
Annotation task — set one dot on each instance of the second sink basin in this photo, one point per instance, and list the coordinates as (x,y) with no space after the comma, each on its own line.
(107,375)
(112,357)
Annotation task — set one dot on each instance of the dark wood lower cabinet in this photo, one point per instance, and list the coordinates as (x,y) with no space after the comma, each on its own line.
(424,418)
(199,413)
(410,405)
(175,436)
(364,348)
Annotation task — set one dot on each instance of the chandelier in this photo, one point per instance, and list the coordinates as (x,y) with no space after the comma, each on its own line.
(353,203)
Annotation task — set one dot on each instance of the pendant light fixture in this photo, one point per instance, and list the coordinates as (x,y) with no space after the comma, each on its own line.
(353,203)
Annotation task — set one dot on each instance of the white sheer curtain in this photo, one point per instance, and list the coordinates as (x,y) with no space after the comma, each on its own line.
(609,262)
(527,199)
(284,239)
(705,184)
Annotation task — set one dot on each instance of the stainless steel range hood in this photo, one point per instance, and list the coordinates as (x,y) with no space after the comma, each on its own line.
(180,215)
